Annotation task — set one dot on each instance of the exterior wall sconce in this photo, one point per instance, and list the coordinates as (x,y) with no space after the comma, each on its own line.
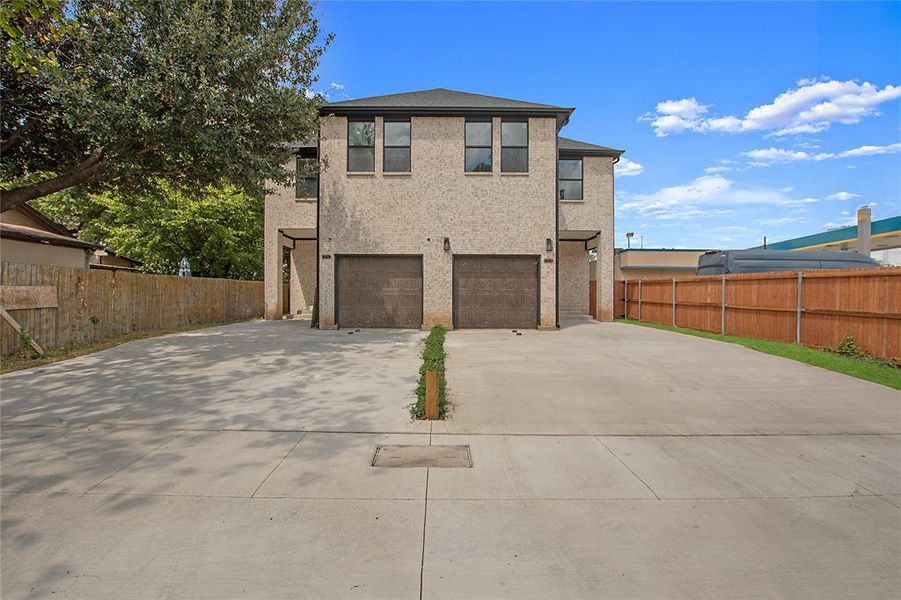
(549,244)
(447,244)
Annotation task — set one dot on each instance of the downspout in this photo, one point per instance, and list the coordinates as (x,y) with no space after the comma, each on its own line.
(557,229)
(316,303)
(613,239)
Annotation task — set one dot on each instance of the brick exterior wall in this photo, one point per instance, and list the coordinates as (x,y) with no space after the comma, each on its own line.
(594,213)
(481,213)
(574,277)
(281,211)
(491,213)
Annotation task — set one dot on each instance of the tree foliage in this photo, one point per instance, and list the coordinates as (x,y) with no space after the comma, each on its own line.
(219,230)
(113,95)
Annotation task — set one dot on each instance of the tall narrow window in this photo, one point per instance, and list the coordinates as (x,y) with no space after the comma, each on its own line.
(478,147)
(361,146)
(514,147)
(570,179)
(396,157)
(306,178)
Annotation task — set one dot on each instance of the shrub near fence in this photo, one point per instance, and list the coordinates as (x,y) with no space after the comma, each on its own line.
(95,304)
(814,308)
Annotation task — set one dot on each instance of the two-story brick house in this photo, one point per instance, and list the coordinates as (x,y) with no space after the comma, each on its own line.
(443,207)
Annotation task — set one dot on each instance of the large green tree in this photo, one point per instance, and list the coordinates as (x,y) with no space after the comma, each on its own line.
(219,230)
(117,95)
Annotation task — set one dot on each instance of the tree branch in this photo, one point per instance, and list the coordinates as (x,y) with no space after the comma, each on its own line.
(15,136)
(89,170)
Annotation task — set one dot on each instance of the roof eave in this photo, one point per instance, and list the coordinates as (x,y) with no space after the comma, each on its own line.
(52,241)
(562,113)
(44,220)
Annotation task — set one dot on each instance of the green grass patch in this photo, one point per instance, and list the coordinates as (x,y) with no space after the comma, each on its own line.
(28,359)
(870,368)
(433,356)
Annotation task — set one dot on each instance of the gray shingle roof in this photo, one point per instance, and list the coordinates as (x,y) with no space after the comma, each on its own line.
(575,146)
(444,100)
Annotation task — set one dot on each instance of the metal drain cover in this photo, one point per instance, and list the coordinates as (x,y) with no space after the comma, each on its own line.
(422,456)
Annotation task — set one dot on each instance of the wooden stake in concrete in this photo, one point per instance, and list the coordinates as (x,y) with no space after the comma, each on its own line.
(431,395)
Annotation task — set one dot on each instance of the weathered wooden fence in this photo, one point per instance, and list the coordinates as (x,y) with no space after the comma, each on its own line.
(87,305)
(813,308)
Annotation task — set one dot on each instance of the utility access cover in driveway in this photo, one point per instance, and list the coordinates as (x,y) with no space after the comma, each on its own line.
(422,456)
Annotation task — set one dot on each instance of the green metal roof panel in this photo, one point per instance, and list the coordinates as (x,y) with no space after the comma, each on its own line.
(836,235)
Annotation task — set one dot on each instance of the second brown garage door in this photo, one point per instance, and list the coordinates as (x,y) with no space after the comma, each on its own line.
(496,292)
(379,291)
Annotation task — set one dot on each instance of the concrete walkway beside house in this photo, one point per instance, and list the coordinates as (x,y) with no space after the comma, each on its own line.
(608,461)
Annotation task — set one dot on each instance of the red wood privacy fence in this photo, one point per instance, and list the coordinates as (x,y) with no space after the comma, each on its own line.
(814,308)
(619,303)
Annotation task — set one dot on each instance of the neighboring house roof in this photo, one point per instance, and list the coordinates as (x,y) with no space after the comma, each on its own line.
(44,220)
(441,100)
(584,148)
(883,227)
(38,236)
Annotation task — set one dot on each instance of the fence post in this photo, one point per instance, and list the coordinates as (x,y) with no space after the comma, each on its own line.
(674,301)
(798,319)
(431,395)
(639,299)
(723,307)
(626,299)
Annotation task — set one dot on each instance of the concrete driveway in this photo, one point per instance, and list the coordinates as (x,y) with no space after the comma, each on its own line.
(609,461)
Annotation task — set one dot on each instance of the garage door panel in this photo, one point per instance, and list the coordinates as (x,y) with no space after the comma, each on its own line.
(379,291)
(496,292)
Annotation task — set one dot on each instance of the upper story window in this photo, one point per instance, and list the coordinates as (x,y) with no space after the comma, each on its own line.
(361,146)
(570,179)
(478,147)
(306,178)
(514,147)
(396,158)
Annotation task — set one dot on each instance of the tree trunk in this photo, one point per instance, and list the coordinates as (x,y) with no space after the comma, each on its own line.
(89,170)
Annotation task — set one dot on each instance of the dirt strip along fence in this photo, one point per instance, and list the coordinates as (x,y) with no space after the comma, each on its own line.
(812,308)
(70,306)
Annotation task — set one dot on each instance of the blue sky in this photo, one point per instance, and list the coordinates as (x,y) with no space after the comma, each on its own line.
(738,120)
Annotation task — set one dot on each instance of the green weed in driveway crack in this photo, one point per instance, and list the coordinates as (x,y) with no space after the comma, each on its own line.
(433,356)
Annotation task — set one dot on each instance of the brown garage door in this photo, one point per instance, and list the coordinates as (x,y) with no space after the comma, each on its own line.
(379,291)
(496,291)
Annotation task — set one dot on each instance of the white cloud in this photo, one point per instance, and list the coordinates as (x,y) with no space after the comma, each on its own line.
(843,223)
(334,91)
(706,196)
(782,221)
(868,150)
(842,196)
(627,168)
(717,169)
(675,116)
(810,107)
(765,157)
